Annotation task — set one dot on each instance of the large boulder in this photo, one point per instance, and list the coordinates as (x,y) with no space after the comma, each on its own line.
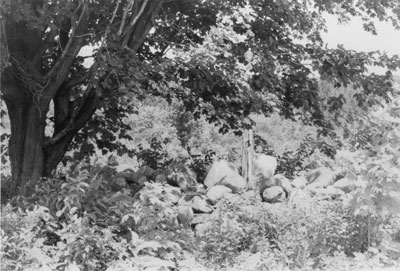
(299,182)
(217,192)
(345,184)
(264,165)
(321,177)
(222,173)
(274,194)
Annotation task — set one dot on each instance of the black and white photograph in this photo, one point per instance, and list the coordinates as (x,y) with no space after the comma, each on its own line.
(200,135)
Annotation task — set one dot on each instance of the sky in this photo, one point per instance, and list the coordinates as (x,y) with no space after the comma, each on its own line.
(353,36)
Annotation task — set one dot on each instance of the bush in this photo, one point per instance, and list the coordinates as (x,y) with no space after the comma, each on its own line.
(298,236)
(89,219)
(234,230)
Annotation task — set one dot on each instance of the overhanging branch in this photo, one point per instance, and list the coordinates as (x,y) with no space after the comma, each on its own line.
(78,119)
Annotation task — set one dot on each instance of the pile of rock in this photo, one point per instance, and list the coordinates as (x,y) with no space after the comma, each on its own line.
(224,181)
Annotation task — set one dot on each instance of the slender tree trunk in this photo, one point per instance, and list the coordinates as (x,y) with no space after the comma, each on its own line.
(25,145)
(247,158)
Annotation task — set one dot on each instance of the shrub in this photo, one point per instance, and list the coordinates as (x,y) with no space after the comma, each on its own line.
(310,154)
(154,156)
(298,236)
(232,230)
(90,220)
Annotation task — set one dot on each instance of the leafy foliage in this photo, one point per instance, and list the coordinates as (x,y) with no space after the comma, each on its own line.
(234,230)
(298,236)
(91,220)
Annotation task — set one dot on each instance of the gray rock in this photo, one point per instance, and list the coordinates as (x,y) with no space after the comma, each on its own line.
(185,215)
(321,177)
(299,182)
(200,218)
(274,194)
(284,183)
(217,192)
(221,173)
(264,165)
(200,205)
(345,184)
(161,178)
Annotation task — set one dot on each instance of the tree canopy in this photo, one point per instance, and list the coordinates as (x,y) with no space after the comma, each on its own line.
(222,59)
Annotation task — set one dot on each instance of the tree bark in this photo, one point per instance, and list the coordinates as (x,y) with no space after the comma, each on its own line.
(25,145)
(31,156)
(56,148)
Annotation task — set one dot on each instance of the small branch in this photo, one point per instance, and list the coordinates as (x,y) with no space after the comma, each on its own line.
(115,12)
(83,35)
(127,8)
(136,18)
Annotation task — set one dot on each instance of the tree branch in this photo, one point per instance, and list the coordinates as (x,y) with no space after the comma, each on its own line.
(77,119)
(136,18)
(55,148)
(136,33)
(61,68)
(126,10)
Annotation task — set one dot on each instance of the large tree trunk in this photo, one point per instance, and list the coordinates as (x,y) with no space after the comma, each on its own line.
(32,156)
(28,87)
(25,145)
